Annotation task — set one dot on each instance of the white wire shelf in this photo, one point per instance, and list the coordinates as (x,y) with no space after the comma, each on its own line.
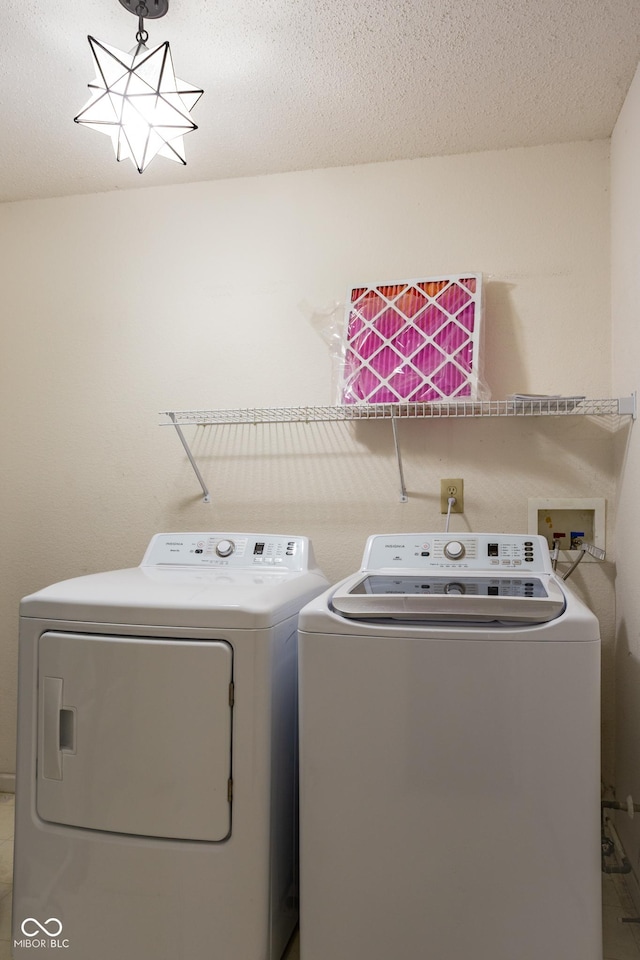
(460,409)
(548,407)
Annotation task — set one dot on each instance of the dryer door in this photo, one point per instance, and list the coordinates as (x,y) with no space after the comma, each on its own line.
(134,735)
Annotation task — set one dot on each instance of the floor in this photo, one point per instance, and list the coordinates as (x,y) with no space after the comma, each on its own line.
(621,940)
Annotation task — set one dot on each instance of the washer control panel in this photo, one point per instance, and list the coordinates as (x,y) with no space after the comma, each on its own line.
(236,550)
(469,551)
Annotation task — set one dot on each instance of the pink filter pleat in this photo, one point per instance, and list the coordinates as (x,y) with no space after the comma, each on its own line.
(405,381)
(388,323)
(450,338)
(408,341)
(411,302)
(385,363)
(363,385)
(366,343)
(426,393)
(429,359)
(383,395)
(463,357)
(449,380)
(392,291)
(430,320)
(453,298)
(431,287)
(466,317)
(356,324)
(370,305)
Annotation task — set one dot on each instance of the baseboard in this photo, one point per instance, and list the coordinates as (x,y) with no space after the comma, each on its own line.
(633,889)
(626,883)
(7,783)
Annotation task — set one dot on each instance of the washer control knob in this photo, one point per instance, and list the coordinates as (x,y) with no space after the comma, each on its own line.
(457,589)
(224,548)
(454,550)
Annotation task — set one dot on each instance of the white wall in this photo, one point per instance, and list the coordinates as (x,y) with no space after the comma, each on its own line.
(117,306)
(625,277)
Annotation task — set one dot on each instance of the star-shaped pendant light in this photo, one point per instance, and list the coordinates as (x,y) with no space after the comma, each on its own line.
(138,101)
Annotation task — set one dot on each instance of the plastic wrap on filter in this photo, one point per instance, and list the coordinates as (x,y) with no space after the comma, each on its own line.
(416,341)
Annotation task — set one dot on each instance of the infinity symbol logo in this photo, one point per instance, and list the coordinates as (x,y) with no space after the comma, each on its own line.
(44,927)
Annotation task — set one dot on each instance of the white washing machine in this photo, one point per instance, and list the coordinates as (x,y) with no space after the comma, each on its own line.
(449,757)
(156,808)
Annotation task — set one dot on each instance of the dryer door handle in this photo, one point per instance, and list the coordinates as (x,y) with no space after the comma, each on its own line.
(51,705)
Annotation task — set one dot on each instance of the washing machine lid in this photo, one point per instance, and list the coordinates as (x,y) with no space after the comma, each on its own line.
(454,598)
(462,578)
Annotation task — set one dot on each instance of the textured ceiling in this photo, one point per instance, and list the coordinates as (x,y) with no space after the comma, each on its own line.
(298,84)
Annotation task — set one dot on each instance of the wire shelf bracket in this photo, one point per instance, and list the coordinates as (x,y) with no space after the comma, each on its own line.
(205,490)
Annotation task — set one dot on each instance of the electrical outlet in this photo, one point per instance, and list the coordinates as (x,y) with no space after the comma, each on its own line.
(452,487)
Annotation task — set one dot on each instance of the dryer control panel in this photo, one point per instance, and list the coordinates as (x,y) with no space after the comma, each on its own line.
(231,550)
(492,552)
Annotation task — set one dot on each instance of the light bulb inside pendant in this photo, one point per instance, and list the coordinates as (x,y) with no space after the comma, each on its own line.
(137,101)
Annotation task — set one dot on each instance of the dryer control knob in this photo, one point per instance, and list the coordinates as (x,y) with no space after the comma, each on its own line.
(454,550)
(224,548)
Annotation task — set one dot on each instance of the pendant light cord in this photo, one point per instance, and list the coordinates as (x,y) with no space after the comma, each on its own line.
(142,35)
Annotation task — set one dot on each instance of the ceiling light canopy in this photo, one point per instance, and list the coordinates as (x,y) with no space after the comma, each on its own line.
(136,98)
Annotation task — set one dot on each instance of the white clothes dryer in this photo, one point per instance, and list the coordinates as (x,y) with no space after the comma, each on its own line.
(449,757)
(156,813)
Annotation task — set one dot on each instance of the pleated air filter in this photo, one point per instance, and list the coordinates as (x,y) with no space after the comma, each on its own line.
(417,341)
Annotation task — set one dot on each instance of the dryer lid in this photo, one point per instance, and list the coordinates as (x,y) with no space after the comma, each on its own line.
(453,598)
(208,580)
